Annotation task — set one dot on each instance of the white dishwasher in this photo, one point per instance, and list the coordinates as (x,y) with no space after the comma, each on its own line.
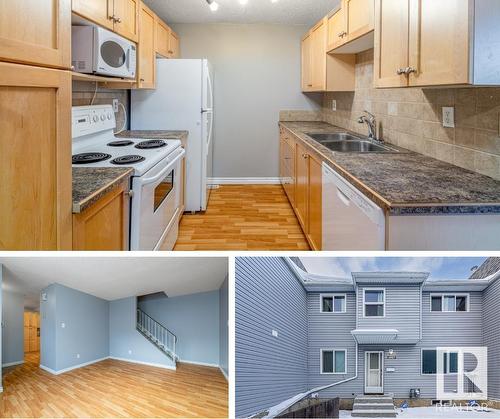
(350,220)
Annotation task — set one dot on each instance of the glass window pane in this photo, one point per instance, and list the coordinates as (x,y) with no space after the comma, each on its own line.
(436,303)
(374,310)
(445,363)
(374,361)
(461,303)
(428,361)
(339,304)
(327,304)
(449,303)
(339,361)
(453,362)
(327,361)
(374,296)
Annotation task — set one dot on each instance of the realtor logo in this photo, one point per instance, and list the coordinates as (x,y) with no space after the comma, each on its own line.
(462,373)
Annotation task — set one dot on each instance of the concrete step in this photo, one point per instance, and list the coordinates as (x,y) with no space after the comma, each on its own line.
(372,406)
(386,413)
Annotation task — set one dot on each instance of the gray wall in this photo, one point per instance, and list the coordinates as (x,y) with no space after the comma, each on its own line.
(194,319)
(224,326)
(13,328)
(269,369)
(125,341)
(491,336)
(85,337)
(257,74)
(48,328)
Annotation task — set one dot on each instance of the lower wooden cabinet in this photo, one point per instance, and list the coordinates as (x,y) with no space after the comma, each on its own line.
(35,158)
(314,203)
(104,225)
(287,166)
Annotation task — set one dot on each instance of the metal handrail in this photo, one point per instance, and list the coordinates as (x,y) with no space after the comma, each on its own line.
(157,330)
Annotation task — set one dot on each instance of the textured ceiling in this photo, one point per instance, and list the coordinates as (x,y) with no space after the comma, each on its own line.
(112,278)
(293,12)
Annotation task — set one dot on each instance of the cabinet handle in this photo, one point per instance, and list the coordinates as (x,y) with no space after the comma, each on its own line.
(409,70)
(309,85)
(141,79)
(118,20)
(170,52)
(400,71)
(305,155)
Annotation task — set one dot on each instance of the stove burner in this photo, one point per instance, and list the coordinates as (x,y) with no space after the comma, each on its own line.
(86,158)
(120,143)
(127,159)
(151,144)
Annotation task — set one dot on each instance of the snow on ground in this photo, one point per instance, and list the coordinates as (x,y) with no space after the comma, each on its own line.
(436,412)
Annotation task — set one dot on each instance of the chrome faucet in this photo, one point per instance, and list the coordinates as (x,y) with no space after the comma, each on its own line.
(370,120)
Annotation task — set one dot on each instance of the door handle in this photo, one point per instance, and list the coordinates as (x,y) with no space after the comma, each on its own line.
(343,197)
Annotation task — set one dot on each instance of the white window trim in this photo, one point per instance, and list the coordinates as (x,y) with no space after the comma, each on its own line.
(332,350)
(422,362)
(443,294)
(333,296)
(373,304)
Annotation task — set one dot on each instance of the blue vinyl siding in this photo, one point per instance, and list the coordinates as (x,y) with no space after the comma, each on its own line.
(269,369)
(491,336)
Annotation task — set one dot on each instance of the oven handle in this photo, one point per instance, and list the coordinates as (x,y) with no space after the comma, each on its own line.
(148,180)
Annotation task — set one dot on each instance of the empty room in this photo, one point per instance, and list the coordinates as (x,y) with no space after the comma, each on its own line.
(114,337)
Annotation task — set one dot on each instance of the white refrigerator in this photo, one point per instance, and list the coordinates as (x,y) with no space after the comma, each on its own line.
(183,100)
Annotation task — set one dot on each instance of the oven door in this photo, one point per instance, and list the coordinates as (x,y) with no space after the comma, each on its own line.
(115,56)
(155,202)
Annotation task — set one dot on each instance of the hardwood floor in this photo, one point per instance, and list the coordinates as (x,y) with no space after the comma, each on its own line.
(243,217)
(113,389)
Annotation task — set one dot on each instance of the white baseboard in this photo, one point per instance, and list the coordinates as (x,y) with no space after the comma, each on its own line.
(43,367)
(224,373)
(244,181)
(202,364)
(168,367)
(11,364)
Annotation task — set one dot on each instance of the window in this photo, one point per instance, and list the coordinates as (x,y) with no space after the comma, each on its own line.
(333,361)
(450,302)
(374,302)
(429,362)
(333,303)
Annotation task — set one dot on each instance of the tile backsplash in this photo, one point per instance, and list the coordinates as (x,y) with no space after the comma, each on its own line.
(412,118)
(84,91)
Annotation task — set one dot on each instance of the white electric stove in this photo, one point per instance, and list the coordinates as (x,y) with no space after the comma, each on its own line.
(155,191)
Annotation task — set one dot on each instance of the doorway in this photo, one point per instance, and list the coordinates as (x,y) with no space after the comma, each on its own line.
(374,372)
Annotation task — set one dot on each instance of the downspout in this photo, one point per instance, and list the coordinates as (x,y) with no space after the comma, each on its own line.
(421,308)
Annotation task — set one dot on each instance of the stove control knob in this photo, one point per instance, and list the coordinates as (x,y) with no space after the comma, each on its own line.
(109,115)
(96,118)
(103,117)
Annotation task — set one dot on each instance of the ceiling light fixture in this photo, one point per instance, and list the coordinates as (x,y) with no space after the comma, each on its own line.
(214,6)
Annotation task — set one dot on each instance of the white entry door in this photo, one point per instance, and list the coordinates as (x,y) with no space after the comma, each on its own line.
(374,372)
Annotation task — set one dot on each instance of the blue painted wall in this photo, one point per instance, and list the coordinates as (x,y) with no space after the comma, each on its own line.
(224,327)
(13,328)
(195,320)
(125,341)
(48,328)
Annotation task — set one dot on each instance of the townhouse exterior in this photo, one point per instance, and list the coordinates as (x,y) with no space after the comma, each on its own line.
(373,333)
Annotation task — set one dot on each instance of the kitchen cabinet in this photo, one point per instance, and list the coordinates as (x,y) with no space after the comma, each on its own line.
(147,52)
(174,42)
(104,225)
(31,331)
(35,158)
(120,16)
(314,203)
(36,32)
(162,38)
(287,165)
(321,71)
(336,29)
(429,43)
(301,184)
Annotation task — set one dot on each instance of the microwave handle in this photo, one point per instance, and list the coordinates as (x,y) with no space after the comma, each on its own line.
(147,181)
(128,59)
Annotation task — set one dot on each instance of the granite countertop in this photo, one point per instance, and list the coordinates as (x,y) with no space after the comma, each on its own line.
(91,183)
(154,134)
(406,183)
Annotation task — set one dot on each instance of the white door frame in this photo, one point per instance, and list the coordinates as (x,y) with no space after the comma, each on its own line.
(374,390)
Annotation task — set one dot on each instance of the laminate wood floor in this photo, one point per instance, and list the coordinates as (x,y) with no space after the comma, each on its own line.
(113,389)
(243,217)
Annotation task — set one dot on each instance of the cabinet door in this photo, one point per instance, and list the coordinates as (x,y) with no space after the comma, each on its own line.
(319,57)
(301,185)
(287,167)
(104,225)
(126,14)
(336,30)
(35,158)
(162,38)
(391,43)
(439,42)
(36,32)
(306,64)
(26,339)
(315,203)
(174,45)
(359,17)
(147,56)
(98,11)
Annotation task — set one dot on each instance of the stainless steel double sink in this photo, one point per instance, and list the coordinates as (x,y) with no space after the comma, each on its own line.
(344,142)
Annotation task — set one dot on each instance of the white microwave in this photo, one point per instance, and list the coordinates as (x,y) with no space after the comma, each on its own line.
(98,51)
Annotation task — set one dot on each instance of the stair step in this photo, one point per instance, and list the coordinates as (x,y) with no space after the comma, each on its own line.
(372,406)
(385,413)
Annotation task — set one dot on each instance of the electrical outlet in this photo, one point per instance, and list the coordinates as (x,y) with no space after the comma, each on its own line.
(275,333)
(130,351)
(392,108)
(448,117)
(115,105)
(78,356)
(63,325)
(334,105)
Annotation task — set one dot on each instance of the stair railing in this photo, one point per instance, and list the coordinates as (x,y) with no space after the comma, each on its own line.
(158,333)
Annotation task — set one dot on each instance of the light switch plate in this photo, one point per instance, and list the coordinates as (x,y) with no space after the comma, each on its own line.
(334,105)
(392,108)
(63,325)
(448,117)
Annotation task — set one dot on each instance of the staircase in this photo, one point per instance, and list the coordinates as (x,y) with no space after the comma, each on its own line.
(157,334)
(368,406)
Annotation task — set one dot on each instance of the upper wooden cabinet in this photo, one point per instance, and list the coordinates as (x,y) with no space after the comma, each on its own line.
(167,41)
(120,16)
(429,43)
(336,29)
(147,52)
(35,158)
(36,32)
(359,18)
(321,71)
(174,42)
